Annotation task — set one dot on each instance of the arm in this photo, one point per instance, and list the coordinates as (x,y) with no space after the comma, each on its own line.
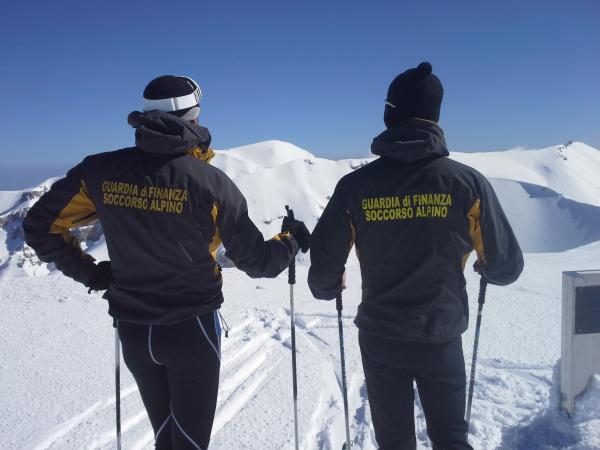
(500,260)
(331,242)
(243,241)
(47,227)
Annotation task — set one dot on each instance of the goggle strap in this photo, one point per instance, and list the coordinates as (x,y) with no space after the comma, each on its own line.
(174,103)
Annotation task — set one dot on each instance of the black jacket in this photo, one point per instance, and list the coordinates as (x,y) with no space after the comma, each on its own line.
(164,211)
(414,216)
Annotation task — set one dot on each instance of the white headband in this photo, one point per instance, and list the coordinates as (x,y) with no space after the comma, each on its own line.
(173,104)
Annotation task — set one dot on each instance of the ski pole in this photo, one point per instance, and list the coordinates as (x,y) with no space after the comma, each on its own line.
(481,301)
(339,307)
(118,384)
(291,282)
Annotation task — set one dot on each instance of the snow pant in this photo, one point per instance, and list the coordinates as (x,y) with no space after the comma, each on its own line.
(176,368)
(391,367)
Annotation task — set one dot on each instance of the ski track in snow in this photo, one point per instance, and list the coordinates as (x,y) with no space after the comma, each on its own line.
(245,369)
(514,373)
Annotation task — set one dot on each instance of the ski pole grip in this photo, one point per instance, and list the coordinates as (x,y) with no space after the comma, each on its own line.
(292,271)
(290,212)
(338,302)
(482,290)
(292,267)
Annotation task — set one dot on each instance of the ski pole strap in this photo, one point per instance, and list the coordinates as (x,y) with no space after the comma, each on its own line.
(225,324)
(338,302)
(482,290)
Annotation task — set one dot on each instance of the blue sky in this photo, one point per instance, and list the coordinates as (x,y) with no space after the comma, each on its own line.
(312,73)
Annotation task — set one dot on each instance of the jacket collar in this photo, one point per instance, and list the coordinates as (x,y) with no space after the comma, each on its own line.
(411,141)
(164,133)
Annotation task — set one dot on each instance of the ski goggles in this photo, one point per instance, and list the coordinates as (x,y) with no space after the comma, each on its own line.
(175,103)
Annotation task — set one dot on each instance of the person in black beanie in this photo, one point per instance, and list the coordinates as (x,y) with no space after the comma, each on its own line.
(415,93)
(164,211)
(414,216)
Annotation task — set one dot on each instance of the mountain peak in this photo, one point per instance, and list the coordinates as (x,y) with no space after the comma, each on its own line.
(268,153)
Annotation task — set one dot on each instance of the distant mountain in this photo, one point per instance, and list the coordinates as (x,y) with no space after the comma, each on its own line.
(551,196)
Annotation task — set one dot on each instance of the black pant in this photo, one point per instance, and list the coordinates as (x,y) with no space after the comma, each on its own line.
(439,372)
(176,368)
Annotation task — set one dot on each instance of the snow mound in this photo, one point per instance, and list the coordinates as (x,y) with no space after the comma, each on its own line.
(251,158)
(268,153)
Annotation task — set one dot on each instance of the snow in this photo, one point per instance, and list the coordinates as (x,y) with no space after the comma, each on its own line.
(57,342)
(10,200)
(267,153)
(570,169)
(60,368)
(544,220)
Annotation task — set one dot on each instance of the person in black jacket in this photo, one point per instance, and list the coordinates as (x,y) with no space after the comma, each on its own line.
(164,211)
(414,216)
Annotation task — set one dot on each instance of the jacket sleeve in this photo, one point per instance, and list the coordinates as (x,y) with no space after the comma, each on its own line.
(244,243)
(498,252)
(330,245)
(47,226)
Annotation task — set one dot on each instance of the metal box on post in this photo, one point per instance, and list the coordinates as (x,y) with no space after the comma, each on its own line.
(580,354)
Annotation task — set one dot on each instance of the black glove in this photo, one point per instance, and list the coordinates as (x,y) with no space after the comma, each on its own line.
(298,229)
(479,267)
(101,279)
(290,243)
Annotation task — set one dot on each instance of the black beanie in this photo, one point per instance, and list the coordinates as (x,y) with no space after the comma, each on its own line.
(179,95)
(414,93)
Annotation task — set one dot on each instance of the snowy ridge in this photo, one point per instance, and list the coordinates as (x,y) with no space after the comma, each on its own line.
(551,196)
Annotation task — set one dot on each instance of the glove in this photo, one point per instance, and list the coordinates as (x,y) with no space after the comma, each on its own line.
(479,267)
(101,279)
(298,230)
(290,243)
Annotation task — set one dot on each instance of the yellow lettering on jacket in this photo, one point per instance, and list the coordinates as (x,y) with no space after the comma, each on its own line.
(406,207)
(144,197)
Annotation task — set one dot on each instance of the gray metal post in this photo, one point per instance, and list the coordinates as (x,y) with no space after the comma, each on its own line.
(580,347)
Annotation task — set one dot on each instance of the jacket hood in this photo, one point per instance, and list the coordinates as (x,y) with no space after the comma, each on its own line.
(411,141)
(164,133)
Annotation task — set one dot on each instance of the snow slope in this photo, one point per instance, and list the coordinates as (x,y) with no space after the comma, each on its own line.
(57,387)
(570,169)
(56,342)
